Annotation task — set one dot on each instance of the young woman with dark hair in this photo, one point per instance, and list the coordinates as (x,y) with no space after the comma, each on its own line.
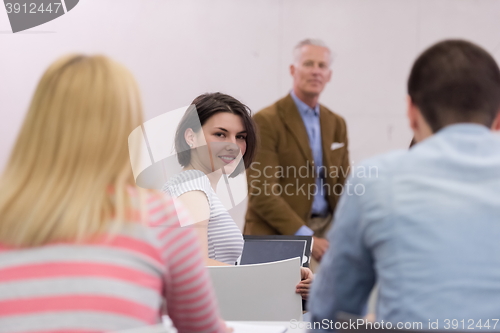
(215,137)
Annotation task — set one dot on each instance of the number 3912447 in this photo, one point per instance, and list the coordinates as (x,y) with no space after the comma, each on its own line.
(32,8)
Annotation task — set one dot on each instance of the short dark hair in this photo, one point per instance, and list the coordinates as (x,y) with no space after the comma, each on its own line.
(455,81)
(202,108)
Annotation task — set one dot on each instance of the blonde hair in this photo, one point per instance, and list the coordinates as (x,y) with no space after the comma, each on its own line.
(69,172)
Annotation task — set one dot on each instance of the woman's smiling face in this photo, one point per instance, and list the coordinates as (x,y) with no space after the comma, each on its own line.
(220,144)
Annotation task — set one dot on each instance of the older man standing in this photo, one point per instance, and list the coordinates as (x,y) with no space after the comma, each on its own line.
(302,160)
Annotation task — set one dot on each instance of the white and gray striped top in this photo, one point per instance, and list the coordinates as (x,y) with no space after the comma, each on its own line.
(225,242)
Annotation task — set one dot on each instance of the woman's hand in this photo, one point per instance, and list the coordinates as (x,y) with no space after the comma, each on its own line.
(306,277)
(227,329)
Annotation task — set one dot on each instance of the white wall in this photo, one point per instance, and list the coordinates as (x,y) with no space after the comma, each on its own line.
(179,49)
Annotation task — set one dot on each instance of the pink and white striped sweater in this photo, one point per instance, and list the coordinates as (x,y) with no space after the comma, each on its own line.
(110,285)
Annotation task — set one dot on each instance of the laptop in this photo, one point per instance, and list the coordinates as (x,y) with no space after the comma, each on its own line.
(262,249)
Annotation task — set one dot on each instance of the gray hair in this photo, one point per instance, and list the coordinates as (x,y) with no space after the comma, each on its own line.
(310,41)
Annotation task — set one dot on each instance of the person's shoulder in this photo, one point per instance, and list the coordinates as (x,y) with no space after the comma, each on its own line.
(188,180)
(272,110)
(152,199)
(271,117)
(331,114)
(159,208)
(380,166)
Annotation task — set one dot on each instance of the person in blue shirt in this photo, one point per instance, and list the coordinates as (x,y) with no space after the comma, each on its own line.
(424,223)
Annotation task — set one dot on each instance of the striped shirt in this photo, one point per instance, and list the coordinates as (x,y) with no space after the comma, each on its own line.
(225,242)
(110,284)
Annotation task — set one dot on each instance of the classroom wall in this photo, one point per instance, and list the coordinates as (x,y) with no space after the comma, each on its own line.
(179,49)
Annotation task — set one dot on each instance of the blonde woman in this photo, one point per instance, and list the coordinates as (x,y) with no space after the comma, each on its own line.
(82,249)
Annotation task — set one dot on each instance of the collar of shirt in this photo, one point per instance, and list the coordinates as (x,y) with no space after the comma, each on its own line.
(304,109)
(471,128)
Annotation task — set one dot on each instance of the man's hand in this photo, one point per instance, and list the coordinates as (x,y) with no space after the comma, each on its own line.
(320,245)
(306,277)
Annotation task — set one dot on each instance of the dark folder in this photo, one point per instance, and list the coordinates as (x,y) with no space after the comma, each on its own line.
(262,249)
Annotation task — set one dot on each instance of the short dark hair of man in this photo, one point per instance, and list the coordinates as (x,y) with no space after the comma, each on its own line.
(455,81)
(202,108)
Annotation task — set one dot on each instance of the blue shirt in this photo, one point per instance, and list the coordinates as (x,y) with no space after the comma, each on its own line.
(310,117)
(425,224)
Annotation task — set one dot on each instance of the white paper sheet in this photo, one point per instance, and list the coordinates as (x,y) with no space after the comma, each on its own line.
(250,328)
